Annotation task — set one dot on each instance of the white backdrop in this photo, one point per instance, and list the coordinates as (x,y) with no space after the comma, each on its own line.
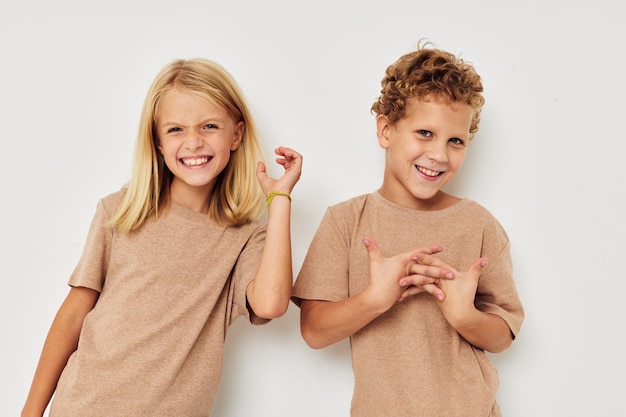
(547,161)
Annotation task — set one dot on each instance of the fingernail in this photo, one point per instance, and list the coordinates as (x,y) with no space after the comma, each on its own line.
(449,275)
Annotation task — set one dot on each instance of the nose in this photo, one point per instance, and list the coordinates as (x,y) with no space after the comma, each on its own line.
(437,151)
(193,140)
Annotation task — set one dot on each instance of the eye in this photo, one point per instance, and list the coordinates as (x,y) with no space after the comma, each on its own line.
(457,141)
(209,126)
(174,129)
(425,133)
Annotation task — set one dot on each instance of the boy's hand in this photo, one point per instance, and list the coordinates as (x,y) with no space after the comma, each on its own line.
(291,161)
(386,274)
(461,291)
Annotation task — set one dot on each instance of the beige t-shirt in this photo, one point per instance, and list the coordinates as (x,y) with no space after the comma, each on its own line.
(152,345)
(410,361)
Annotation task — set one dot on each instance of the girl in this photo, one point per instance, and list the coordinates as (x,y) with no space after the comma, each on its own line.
(172,259)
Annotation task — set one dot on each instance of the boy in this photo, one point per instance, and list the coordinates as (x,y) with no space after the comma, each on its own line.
(420,322)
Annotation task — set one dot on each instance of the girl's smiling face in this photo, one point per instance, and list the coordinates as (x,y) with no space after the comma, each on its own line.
(425,150)
(196,138)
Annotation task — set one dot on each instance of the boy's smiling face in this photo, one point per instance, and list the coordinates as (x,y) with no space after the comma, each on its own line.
(425,150)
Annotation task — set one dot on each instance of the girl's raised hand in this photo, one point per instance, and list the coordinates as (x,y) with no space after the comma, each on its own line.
(291,162)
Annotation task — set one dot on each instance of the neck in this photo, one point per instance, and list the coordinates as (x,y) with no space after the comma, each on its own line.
(193,198)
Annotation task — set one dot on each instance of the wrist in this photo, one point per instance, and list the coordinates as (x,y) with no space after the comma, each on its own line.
(461,317)
(371,301)
(273,194)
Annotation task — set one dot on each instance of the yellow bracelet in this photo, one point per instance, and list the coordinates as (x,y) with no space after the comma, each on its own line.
(273,194)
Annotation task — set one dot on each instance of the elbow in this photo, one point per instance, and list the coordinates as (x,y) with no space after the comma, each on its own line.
(312,328)
(272,310)
(500,345)
(268,304)
(497,348)
(312,338)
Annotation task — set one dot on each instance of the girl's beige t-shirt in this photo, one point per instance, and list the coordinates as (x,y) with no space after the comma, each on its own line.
(152,345)
(410,361)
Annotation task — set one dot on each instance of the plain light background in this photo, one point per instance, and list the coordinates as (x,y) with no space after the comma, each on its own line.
(548,162)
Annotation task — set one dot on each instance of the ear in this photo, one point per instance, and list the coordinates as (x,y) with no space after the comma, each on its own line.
(383,126)
(239,129)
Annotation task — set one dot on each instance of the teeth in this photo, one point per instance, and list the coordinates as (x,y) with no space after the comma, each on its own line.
(428,171)
(195,161)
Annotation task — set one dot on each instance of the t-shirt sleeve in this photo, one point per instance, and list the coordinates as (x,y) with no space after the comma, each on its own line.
(497,293)
(92,267)
(244,272)
(325,270)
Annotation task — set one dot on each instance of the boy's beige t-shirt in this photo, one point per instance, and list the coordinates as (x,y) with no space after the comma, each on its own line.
(152,345)
(410,361)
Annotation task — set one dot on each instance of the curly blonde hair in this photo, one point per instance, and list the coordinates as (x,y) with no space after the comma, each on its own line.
(429,73)
(237,197)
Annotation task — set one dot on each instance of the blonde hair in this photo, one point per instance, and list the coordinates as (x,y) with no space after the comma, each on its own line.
(429,72)
(237,197)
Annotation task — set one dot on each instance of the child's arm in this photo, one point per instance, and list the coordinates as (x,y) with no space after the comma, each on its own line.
(484,330)
(324,322)
(61,341)
(269,293)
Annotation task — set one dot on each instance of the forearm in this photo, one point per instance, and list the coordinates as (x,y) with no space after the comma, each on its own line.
(61,341)
(59,345)
(326,322)
(483,330)
(270,291)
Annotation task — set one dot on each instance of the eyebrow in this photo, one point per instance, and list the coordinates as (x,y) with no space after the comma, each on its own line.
(208,120)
